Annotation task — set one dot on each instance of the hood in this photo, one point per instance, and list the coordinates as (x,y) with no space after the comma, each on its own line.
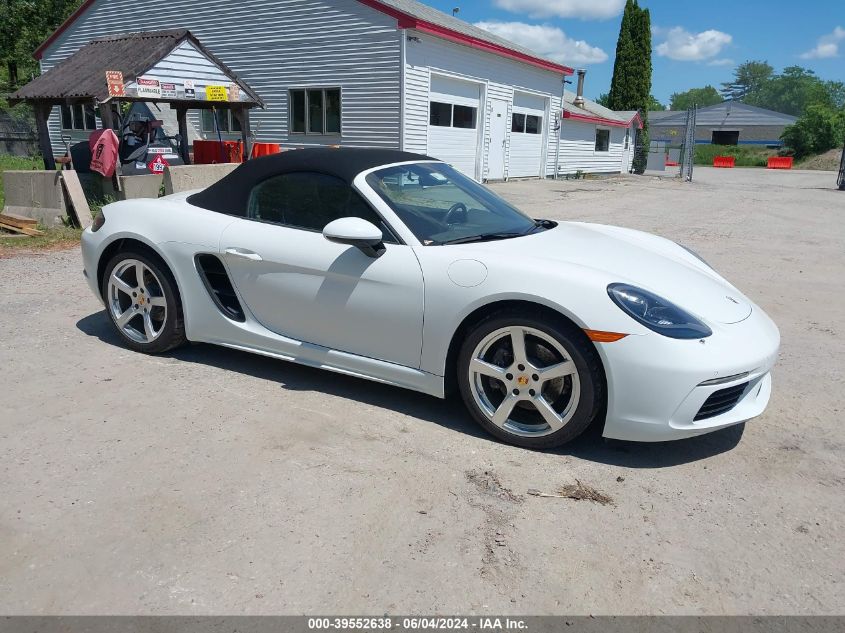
(627,256)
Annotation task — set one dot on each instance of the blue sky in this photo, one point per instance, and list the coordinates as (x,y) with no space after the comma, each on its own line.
(695,43)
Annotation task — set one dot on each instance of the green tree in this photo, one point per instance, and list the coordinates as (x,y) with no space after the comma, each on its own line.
(818,130)
(630,87)
(654,105)
(748,78)
(792,91)
(701,97)
(25,24)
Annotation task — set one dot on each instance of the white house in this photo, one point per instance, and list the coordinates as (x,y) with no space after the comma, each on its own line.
(379,73)
(595,139)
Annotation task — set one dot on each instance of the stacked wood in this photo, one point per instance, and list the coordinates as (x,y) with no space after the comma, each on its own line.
(19,224)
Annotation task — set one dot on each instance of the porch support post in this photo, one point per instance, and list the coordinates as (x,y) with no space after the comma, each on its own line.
(184,147)
(242,116)
(42,114)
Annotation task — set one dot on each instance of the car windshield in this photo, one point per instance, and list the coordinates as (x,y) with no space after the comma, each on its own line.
(442,206)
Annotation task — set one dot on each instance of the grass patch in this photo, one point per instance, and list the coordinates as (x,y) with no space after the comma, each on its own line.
(745,155)
(54,238)
(16,163)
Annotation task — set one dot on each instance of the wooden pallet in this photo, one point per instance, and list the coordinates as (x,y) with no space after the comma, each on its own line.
(19,224)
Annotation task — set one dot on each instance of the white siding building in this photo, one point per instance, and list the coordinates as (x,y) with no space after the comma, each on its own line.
(375,73)
(596,140)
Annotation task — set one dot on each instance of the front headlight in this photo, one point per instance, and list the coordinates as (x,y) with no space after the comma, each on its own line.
(656,313)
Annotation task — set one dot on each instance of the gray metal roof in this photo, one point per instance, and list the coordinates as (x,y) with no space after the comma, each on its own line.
(429,14)
(596,110)
(724,114)
(658,115)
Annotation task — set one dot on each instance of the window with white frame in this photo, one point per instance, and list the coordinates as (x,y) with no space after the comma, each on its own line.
(78,116)
(526,123)
(602,140)
(226,121)
(315,111)
(452,115)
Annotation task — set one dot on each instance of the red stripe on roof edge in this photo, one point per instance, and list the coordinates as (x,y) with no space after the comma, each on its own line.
(597,119)
(404,22)
(489,47)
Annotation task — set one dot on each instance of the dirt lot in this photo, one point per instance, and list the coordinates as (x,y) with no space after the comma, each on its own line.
(212,481)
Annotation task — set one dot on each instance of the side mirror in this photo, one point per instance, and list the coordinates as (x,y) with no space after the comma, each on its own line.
(356,232)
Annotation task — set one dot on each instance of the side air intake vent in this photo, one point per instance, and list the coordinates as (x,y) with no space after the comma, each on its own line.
(219,286)
(720,402)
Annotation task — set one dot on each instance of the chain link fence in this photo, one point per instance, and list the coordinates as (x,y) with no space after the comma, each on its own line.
(673,156)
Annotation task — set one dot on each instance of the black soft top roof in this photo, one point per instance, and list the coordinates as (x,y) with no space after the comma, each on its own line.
(230,195)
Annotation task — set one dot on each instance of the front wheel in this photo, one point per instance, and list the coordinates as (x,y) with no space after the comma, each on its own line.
(530,382)
(143,303)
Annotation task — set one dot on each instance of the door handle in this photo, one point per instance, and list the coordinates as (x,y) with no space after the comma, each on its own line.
(243,254)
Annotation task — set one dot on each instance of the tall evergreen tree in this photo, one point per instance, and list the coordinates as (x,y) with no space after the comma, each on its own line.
(630,88)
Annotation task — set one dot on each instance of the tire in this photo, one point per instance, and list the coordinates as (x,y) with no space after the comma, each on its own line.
(144,308)
(563,379)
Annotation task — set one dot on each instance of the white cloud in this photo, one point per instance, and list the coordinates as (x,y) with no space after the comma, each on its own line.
(548,41)
(724,61)
(684,46)
(584,9)
(827,45)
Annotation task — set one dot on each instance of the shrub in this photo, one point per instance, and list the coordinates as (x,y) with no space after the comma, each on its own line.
(818,130)
(745,155)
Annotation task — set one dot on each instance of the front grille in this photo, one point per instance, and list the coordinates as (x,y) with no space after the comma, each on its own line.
(720,402)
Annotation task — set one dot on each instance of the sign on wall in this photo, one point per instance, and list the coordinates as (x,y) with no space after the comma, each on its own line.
(114,80)
(190,92)
(149,88)
(168,91)
(234,92)
(215,93)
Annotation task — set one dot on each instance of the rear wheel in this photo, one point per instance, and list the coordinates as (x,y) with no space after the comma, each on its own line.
(142,302)
(530,382)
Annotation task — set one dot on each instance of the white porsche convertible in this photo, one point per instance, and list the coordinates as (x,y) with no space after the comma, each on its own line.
(395,267)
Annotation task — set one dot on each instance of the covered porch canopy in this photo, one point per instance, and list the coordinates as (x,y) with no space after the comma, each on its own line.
(169,66)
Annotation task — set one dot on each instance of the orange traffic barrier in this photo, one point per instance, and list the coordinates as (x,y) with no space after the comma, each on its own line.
(779,162)
(265,149)
(724,161)
(207,152)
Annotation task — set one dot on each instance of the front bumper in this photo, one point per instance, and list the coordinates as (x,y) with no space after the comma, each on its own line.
(655,385)
(92,248)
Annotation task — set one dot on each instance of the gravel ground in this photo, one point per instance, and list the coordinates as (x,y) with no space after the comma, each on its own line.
(212,481)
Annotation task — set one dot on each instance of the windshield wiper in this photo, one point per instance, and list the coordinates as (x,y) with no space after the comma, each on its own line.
(484,237)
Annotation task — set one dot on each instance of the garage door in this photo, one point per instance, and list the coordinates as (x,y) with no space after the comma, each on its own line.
(453,122)
(527,135)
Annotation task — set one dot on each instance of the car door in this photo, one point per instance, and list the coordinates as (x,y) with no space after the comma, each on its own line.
(298,284)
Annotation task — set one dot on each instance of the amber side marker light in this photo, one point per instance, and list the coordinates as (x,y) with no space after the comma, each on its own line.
(598,336)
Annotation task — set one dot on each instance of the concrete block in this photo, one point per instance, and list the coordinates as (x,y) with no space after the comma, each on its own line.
(35,194)
(181,178)
(146,186)
(44,215)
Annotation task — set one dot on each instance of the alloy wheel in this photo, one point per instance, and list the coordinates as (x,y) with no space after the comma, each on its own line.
(524,381)
(136,301)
